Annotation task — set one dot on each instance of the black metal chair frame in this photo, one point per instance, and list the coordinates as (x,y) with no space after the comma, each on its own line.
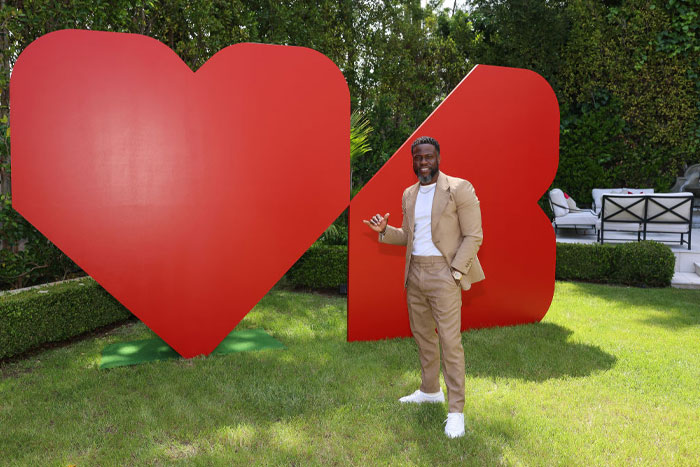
(646,219)
(551,206)
(610,198)
(683,220)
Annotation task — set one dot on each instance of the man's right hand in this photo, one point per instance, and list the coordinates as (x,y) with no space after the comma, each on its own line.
(377,222)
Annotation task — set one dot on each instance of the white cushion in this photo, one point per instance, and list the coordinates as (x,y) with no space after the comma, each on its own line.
(620,226)
(671,228)
(598,194)
(622,208)
(570,201)
(638,191)
(679,203)
(559,204)
(577,218)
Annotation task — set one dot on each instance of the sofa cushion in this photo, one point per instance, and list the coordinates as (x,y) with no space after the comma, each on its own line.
(570,202)
(680,203)
(577,218)
(598,195)
(559,204)
(669,228)
(620,226)
(639,191)
(622,208)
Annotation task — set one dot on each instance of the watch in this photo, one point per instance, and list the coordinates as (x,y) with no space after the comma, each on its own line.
(457,275)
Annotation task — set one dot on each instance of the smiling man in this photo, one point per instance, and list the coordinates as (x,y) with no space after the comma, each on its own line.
(441,230)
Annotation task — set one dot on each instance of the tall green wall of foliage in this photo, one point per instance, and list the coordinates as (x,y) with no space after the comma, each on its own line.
(626,72)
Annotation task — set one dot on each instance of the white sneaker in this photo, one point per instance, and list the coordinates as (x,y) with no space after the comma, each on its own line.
(419,397)
(454,425)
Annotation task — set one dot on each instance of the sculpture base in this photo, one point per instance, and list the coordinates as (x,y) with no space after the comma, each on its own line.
(150,350)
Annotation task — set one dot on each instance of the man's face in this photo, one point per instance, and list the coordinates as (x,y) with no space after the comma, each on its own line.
(426,163)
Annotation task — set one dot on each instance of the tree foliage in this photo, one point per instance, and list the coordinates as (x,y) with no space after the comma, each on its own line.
(626,72)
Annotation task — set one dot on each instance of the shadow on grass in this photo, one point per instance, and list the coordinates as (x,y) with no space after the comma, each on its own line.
(531,352)
(321,400)
(671,308)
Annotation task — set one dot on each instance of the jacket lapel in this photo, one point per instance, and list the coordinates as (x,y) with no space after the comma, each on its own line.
(442,196)
(411,206)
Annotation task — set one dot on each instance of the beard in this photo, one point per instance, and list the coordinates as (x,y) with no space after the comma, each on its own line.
(428,177)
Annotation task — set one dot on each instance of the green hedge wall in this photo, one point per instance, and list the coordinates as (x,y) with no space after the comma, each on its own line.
(34,317)
(38,316)
(646,263)
(321,267)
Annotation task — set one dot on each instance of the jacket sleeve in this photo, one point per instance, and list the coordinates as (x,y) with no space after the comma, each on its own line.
(469,214)
(394,236)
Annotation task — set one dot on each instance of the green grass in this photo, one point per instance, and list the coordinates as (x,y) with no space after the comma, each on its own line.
(610,377)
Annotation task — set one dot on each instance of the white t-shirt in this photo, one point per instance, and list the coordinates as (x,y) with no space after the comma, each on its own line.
(422,234)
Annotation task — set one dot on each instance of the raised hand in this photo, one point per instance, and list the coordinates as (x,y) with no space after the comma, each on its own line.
(377,222)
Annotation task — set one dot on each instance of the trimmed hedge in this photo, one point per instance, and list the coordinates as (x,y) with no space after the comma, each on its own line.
(48,314)
(321,267)
(645,264)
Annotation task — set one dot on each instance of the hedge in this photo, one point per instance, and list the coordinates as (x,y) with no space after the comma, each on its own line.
(646,263)
(321,267)
(34,317)
(31,318)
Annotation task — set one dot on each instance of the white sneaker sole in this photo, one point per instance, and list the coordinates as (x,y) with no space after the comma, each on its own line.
(432,400)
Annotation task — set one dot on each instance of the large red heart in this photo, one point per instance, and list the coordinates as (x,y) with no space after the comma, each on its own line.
(186,195)
(499,129)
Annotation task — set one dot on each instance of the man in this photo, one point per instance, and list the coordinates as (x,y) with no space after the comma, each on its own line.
(441,229)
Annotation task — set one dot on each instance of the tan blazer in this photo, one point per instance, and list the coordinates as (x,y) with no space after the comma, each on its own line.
(455,225)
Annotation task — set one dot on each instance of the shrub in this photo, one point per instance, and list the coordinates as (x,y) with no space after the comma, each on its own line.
(321,267)
(646,263)
(34,317)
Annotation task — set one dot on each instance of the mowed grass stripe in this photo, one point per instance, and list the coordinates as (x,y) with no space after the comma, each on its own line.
(609,377)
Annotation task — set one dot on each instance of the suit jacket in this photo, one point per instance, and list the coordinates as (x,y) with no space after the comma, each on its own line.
(455,225)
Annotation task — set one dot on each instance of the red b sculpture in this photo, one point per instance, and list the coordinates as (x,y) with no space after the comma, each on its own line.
(499,129)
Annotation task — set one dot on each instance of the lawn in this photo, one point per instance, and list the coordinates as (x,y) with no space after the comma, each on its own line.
(609,377)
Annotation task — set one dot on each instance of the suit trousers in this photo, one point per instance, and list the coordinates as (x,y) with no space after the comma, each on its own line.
(435,300)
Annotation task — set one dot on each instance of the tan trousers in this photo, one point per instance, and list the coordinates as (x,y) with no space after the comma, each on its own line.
(435,300)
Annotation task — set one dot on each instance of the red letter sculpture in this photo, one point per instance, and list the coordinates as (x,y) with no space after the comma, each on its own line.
(499,129)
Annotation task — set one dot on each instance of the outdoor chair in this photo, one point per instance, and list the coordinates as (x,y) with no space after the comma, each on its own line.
(567,214)
(670,213)
(621,213)
(598,193)
(647,213)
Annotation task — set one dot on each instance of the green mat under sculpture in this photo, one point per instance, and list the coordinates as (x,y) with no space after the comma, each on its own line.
(149,350)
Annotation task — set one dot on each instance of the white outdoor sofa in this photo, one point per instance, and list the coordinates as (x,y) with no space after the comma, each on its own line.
(646,213)
(568,215)
(598,193)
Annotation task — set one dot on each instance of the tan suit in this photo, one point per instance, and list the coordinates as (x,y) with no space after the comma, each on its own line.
(432,295)
(456,227)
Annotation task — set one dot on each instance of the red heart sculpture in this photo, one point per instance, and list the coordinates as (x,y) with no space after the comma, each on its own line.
(499,129)
(185,195)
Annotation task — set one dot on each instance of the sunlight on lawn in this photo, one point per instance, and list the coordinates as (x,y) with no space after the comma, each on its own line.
(608,377)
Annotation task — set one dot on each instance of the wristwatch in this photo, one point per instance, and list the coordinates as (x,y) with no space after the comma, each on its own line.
(457,275)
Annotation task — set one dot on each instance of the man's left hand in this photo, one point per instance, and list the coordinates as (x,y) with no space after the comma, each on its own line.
(457,281)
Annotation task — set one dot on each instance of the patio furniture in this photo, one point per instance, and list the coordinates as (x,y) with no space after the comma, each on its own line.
(647,213)
(567,214)
(598,193)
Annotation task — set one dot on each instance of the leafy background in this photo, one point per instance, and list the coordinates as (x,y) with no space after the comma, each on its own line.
(626,74)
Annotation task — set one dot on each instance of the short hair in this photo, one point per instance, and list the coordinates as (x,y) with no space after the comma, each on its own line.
(426,140)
